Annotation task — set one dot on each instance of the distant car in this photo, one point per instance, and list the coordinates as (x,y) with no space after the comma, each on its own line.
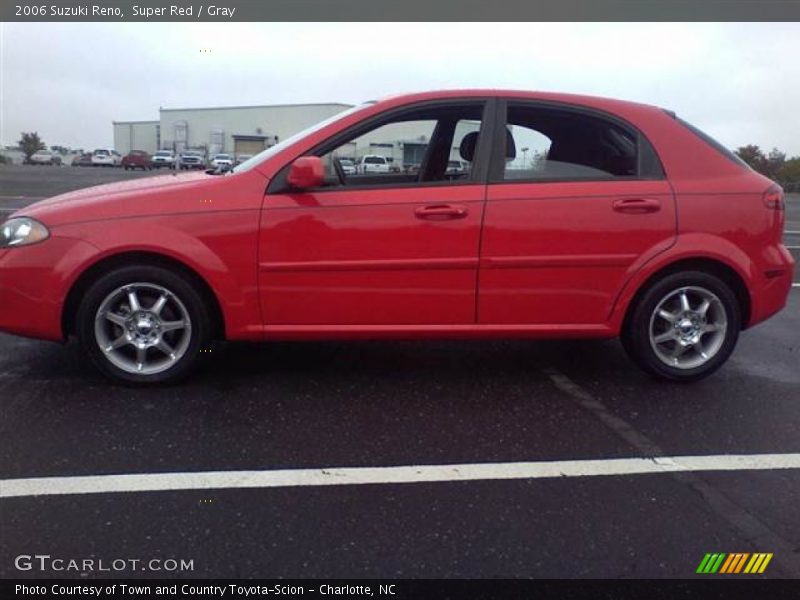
(372,163)
(163,158)
(348,166)
(222,161)
(45,157)
(137,159)
(82,160)
(455,167)
(191,159)
(243,157)
(104,157)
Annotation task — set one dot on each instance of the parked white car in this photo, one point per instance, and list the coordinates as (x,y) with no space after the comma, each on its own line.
(191,159)
(104,157)
(348,166)
(372,163)
(45,157)
(222,161)
(163,158)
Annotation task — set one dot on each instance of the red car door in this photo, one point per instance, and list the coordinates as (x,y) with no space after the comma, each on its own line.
(578,203)
(390,249)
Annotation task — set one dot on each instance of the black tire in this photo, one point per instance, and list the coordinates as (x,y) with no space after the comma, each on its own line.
(180,286)
(636,333)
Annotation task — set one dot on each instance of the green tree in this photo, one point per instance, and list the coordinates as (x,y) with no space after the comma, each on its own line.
(753,156)
(790,171)
(774,163)
(30,144)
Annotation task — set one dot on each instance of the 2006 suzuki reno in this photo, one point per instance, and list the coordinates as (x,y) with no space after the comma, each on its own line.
(502,214)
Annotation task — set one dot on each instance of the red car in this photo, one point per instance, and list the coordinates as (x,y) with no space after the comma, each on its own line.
(137,159)
(576,217)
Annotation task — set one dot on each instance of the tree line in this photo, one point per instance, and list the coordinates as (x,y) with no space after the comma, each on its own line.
(773,164)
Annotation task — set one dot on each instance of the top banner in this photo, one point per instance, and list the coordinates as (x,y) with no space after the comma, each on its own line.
(400,10)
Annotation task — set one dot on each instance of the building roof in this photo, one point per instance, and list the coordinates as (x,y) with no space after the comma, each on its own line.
(154,122)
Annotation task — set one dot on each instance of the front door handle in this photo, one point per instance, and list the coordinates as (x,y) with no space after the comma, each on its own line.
(441,212)
(636,206)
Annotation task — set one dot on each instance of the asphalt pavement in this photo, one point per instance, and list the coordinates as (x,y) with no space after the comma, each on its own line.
(337,405)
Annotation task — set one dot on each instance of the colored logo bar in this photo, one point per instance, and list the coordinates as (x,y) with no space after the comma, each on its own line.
(733,563)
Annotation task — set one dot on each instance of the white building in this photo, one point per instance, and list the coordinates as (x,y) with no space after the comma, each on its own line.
(233,129)
(249,129)
(136,135)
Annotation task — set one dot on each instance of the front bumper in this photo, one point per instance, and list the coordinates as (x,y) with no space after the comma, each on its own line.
(34,282)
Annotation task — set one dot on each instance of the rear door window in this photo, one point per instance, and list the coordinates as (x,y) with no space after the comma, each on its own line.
(551,144)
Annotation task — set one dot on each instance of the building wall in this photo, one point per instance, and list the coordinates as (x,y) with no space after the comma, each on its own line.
(203,126)
(135,135)
(279,121)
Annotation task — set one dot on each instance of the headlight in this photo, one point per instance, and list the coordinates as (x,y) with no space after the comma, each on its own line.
(22,231)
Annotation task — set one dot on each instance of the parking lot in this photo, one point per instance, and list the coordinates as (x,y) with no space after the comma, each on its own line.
(343,406)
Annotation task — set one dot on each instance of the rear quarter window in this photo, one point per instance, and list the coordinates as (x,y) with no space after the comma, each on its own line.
(731,156)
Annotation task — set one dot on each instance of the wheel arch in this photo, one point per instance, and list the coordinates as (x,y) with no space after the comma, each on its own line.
(108,263)
(705,264)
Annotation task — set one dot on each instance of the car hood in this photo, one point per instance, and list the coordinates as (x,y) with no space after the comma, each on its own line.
(137,197)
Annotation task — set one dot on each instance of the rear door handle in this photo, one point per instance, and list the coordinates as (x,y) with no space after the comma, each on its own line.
(441,212)
(636,206)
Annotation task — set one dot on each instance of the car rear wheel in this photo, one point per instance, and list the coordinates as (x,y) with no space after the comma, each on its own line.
(684,327)
(143,324)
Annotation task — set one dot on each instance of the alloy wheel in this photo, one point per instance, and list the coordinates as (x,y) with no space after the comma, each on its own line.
(142,328)
(688,327)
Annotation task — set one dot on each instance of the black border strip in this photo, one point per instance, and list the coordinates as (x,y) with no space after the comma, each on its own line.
(414,10)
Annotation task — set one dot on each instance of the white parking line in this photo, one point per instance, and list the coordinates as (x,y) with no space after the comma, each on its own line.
(748,524)
(154,482)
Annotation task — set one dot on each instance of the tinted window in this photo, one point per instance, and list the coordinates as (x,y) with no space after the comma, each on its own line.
(552,144)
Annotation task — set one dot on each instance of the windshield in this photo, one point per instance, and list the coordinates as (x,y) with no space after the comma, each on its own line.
(163,153)
(273,150)
(222,157)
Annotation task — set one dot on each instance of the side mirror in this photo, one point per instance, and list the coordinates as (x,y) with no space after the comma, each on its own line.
(306,172)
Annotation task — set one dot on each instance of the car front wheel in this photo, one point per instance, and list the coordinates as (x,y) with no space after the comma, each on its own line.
(684,327)
(143,324)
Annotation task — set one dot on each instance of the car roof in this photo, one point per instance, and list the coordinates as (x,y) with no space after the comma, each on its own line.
(581,99)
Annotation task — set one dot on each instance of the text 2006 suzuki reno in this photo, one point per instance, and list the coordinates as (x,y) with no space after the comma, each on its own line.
(501,214)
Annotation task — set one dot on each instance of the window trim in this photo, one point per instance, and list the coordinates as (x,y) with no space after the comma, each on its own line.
(478,176)
(644,146)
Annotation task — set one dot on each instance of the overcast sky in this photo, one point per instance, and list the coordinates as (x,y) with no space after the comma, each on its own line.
(740,82)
